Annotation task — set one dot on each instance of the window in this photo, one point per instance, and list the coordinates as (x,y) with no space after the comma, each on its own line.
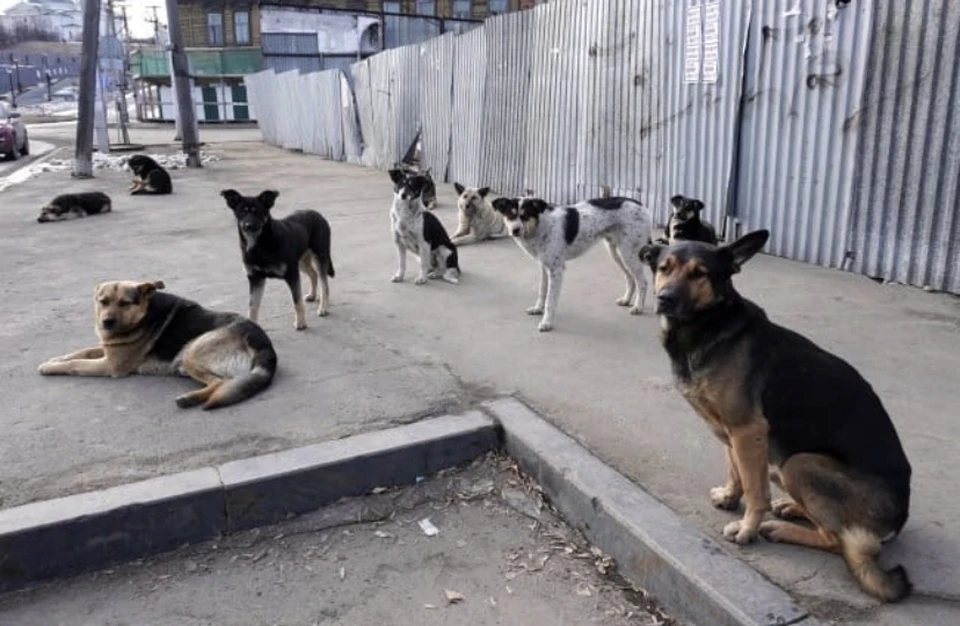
(497,6)
(426,7)
(461,8)
(391,7)
(241,28)
(215,29)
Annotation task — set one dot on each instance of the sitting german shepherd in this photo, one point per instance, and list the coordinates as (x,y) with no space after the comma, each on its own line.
(144,331)
(775,398)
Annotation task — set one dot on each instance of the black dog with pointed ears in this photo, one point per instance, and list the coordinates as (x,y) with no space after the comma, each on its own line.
(685,223)
(282,248)
(788,411)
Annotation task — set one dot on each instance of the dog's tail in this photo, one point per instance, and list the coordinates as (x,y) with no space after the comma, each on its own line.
(259,377)
(860,548)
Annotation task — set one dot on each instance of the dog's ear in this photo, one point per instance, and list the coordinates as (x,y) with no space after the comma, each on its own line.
(148,288)
(232,196)
(677,201)
(483,191)
(504,205)
(650,255)
(267,198)
(743,249)
(460,188)
(535,205)
(695,205)
(397,176)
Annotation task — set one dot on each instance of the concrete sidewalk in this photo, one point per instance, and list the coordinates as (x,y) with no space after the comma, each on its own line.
(400,350)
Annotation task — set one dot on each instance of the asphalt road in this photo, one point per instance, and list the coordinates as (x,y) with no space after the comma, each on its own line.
(391,353)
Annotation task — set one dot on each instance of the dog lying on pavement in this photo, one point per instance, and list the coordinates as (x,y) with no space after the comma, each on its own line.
(553,235)
(145,331)
(417,231)
(282,248)
(775,398)
(476,216)
(70,206)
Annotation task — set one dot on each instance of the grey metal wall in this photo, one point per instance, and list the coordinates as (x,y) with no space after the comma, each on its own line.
(469,83)
(834,128)
(436,103)
(699,118)
(906,224)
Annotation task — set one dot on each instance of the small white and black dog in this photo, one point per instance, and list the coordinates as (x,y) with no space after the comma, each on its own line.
(476,216)
(420,232)
(552,235)
(685,223)
(70,206)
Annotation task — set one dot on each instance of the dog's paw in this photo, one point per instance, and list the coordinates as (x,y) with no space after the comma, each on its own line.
(739,533)
(299,324)
(48,368)
(310,298)
(725,498)
(420,280)
(322,312)
(786,508)
(545,327)
(624,301)
(397,278)
(773,530)
(187,401)
(535,310)
(636,310)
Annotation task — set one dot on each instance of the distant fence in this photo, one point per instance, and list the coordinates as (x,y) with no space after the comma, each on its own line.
(830,123)
(24,70)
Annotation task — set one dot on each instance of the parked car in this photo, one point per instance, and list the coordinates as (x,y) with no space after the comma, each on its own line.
(13,134)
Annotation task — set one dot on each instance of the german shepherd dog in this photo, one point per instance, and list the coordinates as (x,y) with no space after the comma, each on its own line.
(149,177)
(70,206)
(685,223)
(282,248)
(145,331)
(775,398)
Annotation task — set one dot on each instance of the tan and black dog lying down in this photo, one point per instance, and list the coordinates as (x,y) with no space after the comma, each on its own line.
(776,399)
(145,331)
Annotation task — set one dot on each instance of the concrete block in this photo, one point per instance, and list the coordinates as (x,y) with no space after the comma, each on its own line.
(268,488)
(692,576)
(88,530)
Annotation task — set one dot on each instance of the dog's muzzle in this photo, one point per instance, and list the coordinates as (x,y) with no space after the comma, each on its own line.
(668,302)
(108,323)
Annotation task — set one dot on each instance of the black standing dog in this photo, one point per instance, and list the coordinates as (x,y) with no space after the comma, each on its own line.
(777,399)
(149,177)
(685,223)
(282,249)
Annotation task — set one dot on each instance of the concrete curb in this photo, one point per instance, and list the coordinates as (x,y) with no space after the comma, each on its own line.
(689,574)
(92,530)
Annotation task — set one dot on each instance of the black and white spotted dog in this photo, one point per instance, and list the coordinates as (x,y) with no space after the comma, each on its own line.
(685,223)
(552,235)
(420,232)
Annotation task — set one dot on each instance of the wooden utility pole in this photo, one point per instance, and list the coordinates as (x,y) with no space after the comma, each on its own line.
(181,76)
(83,157)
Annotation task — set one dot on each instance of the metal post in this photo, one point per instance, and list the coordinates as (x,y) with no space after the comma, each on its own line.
(184,91)
(83,163)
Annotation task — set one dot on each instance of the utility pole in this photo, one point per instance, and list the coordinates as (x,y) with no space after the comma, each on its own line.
(120,97)
(83,163)
(156,24)
(181,75)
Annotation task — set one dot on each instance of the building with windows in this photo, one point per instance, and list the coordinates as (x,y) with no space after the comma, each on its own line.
(61,18)
(226,39)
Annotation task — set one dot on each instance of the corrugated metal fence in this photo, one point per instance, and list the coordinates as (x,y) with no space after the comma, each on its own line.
(831,124)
